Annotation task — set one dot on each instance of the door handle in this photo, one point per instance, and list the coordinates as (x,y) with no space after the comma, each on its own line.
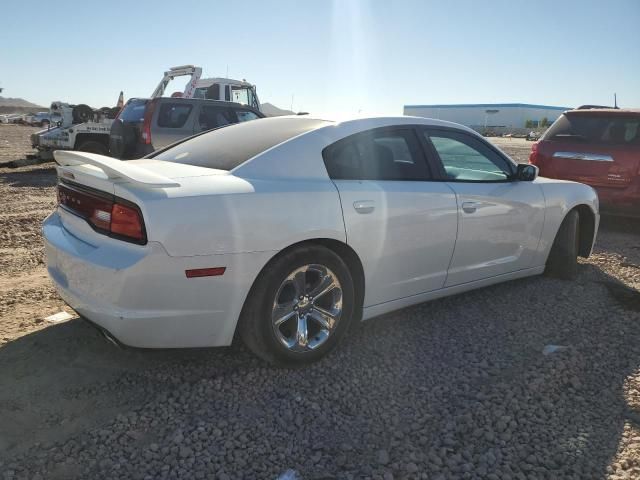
(364,206)
(470,207)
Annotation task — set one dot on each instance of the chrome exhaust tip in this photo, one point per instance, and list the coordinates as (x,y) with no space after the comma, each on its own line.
(110,338)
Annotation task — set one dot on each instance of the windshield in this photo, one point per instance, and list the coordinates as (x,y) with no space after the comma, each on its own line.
(244,95)
(234,93)
(226,148)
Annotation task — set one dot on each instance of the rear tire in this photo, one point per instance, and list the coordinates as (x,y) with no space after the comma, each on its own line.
(123,139)
(92,146)
(274,295)
(563,258)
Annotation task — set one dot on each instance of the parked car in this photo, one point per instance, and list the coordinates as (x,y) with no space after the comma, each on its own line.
(599,147)
(533,135)
(40,119)
(145,125)
(288,229)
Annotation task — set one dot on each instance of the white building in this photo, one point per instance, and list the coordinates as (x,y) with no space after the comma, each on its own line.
(489,116)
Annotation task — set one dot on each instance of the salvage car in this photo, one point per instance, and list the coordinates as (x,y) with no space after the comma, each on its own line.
(598,146)
(40,119)
(288,230)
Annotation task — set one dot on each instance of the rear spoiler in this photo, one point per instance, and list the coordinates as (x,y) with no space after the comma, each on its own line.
(114,168)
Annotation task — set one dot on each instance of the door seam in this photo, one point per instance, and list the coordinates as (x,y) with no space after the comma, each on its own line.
(455,241)
(544,221)
(344,224)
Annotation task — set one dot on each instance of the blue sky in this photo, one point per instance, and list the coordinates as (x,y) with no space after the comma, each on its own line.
(332,56)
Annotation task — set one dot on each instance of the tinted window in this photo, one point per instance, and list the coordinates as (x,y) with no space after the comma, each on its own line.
(464,158)
(133,111)
(228,147)
(246,115)
(590,128)
(376,155)
(214,117)
(173,115)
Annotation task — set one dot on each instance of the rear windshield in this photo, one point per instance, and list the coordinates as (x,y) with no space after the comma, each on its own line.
(227,147)
(610,129)
(133,111)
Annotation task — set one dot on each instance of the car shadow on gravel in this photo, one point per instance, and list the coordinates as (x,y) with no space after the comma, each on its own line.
(454,386)
(68,377)
(38,177)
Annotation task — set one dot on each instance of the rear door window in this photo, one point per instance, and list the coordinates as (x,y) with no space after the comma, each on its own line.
(173,115)
(387,154)
(214,117)
(589,128)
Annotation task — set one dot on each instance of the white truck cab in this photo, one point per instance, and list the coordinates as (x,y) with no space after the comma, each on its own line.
(218,88)
(227,90)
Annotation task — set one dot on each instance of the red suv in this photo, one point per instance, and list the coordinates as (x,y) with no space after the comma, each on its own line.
(599,147)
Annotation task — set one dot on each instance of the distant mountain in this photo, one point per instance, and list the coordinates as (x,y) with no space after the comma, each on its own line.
(272,111)
(17,102)
(19,105)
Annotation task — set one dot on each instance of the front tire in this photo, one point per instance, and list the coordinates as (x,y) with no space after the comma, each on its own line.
(299,308)
(563,258)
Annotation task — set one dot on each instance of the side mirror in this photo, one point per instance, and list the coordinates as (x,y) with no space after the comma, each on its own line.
(526,172)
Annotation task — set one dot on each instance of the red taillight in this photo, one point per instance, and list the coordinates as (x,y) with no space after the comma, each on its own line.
(105,213)
(533,156)
(146,122)
(96,209)
(126,221)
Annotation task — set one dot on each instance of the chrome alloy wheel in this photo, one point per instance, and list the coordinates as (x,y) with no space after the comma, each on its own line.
(307,308)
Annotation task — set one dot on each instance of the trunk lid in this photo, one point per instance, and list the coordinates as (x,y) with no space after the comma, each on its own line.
(596,165)
(91,185)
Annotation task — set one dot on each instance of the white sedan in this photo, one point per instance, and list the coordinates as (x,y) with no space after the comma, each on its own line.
(289,229)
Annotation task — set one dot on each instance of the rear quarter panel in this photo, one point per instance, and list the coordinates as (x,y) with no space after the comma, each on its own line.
(227,214)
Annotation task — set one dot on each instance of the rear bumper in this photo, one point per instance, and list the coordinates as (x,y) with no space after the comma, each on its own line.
(620,201)
(141,295)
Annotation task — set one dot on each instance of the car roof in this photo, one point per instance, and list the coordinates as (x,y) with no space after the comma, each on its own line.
(602,111)
(369,122)
(297,155)
(207,82)
(207,100)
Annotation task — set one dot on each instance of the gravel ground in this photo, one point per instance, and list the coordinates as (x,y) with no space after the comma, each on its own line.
(455,388)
